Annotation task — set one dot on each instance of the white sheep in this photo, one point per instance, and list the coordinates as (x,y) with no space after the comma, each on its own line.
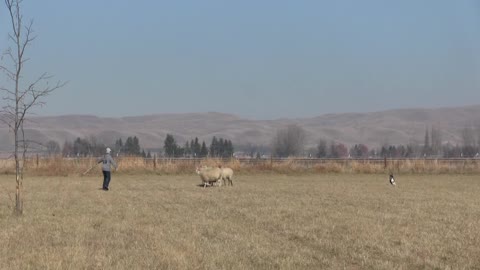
(227,174)
(209,176)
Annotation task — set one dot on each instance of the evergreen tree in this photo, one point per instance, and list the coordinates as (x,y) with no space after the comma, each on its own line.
(196,148)
(221,147)
(384,152)
(81,147)
(359,151)
(170,146)
(179,152)
(203,150)
(136,146)
(214,147)
(119,145)
(128,148)
(392,151)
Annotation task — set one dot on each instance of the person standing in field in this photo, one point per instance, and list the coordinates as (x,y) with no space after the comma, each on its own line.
(107,162)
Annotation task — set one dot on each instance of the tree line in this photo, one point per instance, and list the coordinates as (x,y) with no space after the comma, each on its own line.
(86,147)
(218,148)
(287,142)
(290,141)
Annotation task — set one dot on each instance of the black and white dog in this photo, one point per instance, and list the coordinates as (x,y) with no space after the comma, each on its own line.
(392,180)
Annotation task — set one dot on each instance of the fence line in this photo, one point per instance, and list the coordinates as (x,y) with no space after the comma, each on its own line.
(160,160)
(68,166)
(307,161)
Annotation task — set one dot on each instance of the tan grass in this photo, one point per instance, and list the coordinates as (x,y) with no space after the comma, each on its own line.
(265,221)
(62,167)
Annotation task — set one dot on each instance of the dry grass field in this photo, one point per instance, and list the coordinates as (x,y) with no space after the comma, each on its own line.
(59,166)
(265,221)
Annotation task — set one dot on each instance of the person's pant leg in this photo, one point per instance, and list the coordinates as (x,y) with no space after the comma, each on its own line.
(105,179)
(108,178)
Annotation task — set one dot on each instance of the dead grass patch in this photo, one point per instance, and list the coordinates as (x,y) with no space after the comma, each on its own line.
(265,221)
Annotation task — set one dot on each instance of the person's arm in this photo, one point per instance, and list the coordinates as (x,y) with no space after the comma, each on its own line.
(100,159)
(113,163)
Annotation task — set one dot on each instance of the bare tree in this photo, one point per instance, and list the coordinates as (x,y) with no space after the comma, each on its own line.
(322,149)
(426,145)
(436,142)
(53,147)
(289,141)
(20,96)
(478,139)
(469,145)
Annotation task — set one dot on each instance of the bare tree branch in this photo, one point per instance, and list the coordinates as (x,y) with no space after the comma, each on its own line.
(21,100)
(9,73)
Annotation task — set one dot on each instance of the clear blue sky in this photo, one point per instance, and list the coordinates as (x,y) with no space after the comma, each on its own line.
(257,59)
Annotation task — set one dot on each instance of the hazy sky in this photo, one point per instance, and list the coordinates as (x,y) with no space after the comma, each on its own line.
(257,59)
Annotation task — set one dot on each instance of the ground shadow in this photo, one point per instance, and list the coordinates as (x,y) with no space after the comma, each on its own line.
(208,186)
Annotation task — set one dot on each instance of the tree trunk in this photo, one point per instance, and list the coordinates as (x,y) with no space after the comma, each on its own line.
(18,196)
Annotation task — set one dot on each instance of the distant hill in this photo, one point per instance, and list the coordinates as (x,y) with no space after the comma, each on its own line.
(374,129)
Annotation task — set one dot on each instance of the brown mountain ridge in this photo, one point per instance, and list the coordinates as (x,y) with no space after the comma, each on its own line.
(399,126)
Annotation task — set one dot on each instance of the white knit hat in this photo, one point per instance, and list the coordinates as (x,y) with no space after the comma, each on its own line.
(109,150)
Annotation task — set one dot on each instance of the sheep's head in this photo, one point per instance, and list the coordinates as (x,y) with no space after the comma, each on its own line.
(200,169)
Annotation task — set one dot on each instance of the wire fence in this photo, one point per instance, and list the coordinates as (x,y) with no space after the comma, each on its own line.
(67,166)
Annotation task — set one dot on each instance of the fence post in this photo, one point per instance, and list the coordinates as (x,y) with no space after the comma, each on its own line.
(154,161)
(385,162)
(37,161)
